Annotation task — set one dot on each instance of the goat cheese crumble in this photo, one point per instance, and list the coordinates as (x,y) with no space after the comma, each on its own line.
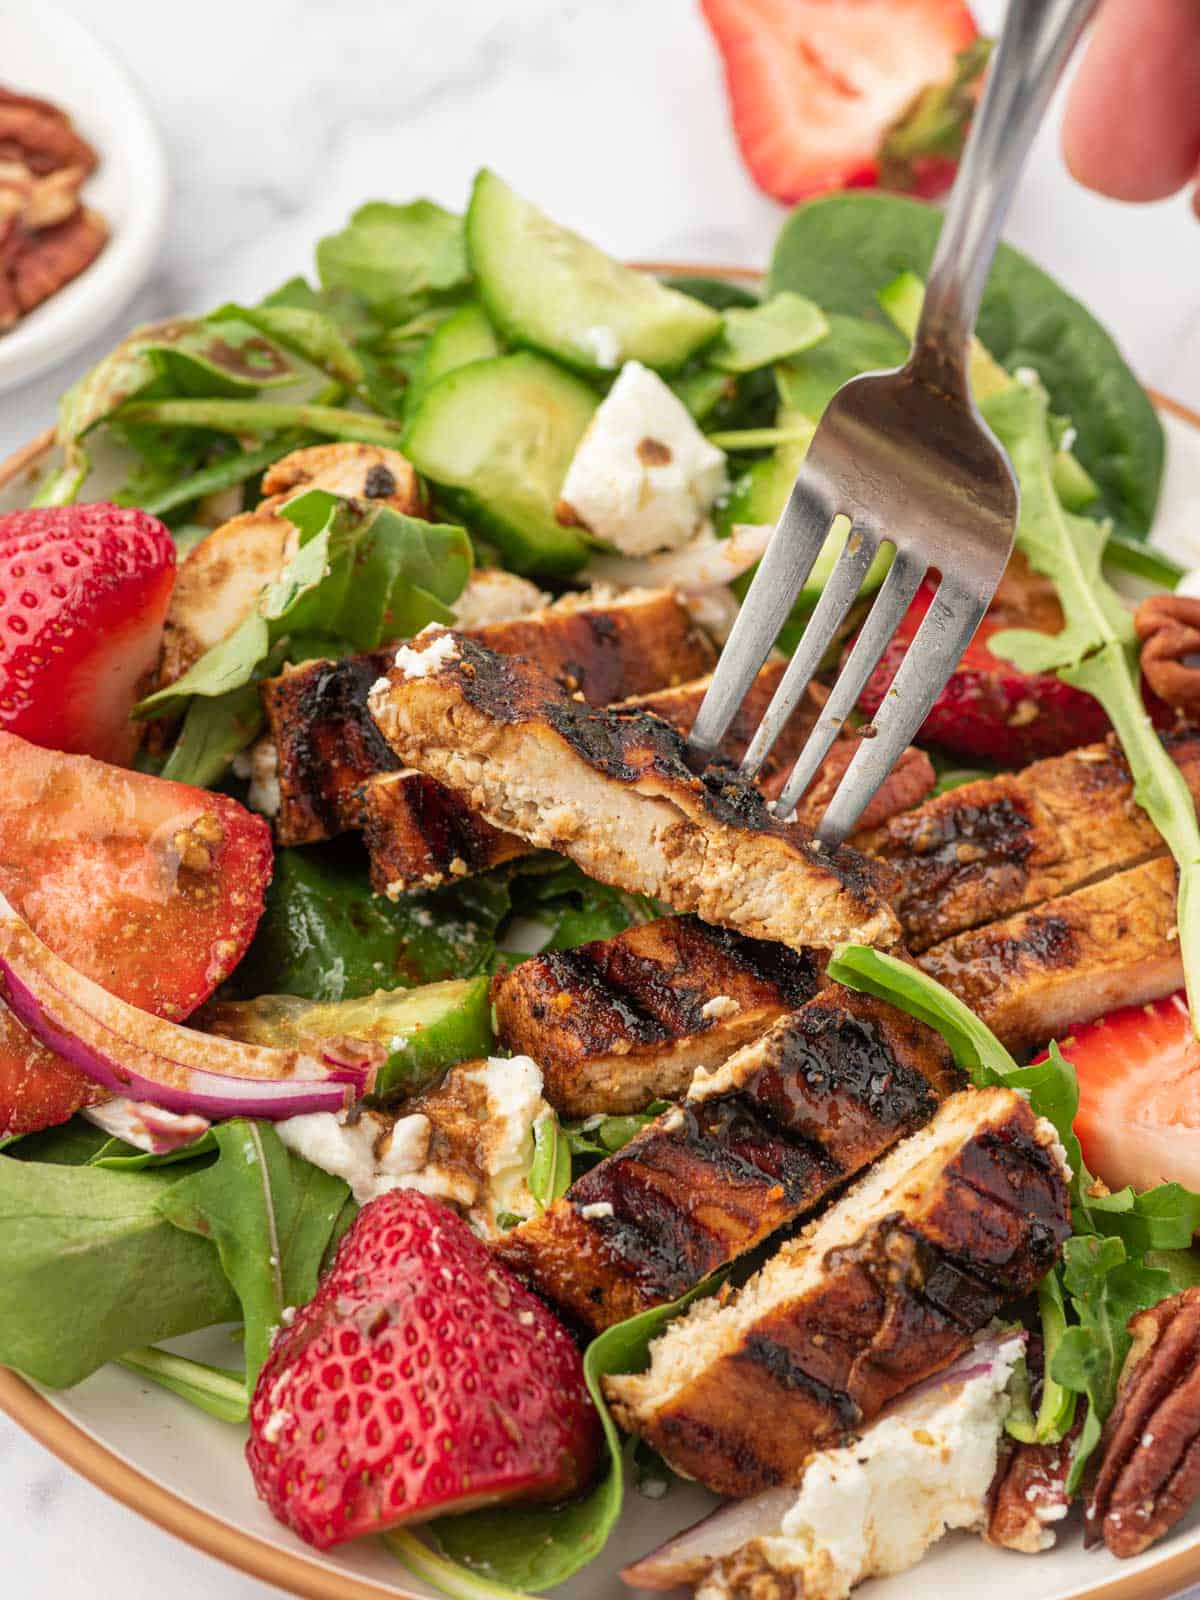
(644,477)
(424,663)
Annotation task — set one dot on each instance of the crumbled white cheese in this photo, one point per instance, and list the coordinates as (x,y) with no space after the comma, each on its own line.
(261,765)
(371,1152)
(597,1209)
(644,477)
(492,595)
(874,1507)
(719,1007)
(603,344)
(513,1089)
(424,663)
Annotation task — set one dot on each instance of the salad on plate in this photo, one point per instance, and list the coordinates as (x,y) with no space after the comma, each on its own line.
(533,1121)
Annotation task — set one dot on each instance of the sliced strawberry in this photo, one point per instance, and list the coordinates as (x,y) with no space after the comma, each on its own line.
(989,710)
(1139,1095)
(154,889)
(817,86)
(83,597)
(422,1379)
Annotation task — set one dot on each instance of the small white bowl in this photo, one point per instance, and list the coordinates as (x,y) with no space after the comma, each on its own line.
(45,52)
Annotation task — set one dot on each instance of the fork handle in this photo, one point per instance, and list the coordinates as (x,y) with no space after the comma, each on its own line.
(1035,41)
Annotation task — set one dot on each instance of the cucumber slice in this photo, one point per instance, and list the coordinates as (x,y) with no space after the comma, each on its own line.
(426,1030)
(499,435)
(466,336)
(545,286)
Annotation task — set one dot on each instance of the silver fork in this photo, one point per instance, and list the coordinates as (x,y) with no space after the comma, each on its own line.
(907,458)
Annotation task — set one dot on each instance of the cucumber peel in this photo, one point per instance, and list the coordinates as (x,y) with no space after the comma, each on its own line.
(548,288)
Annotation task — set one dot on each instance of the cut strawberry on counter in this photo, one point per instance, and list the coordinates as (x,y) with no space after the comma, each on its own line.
(989,710)
(840,94)
(1139,1095)
(83,598)
(422,1379)
(153,889)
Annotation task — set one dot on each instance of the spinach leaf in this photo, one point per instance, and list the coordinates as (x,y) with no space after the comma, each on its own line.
(781,326)
(270,1215)
(308,333)
(842,250)
(226,472)
(719,293)
(532,1548)
(808,382)
(556,896)
(592,1138)
(215,729)
(396,259)
(92,1268)
(325,936)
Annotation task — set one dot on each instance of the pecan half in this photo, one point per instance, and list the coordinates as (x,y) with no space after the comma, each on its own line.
(1169,627)
(48,260)
(1149,1452)
(1029,1493)
(41,137)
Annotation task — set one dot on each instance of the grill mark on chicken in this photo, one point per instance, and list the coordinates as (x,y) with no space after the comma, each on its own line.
(419,834)
(757,1145)
(886,1288)
(1033,976)
(1005,844)
(612,790)
(328,744)
(620,1022)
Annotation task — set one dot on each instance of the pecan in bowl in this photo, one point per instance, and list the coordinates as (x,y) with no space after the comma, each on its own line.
(1169,627)
(1149,1454)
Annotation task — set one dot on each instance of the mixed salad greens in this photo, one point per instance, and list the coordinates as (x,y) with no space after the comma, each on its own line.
(481,348)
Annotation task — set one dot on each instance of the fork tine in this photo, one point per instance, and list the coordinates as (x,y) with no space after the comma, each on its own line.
(795,545)
(939,642)
(837,597)
(891,603)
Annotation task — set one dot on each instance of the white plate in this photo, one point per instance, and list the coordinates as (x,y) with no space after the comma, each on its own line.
(187,1472)
(45,52)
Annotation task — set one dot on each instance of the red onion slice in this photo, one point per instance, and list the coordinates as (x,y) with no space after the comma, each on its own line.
(144,1057)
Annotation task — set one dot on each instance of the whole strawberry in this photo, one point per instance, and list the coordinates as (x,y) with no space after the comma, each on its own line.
(422,1379)
(83,595)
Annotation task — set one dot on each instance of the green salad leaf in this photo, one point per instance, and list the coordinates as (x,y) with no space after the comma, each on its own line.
(362,574)
(216,1390)
(270,1215)
(396,259)
(566,908)
(92,1268)
(842,250)
(550,1169)
(531,1548)
(325,936)
(779,327)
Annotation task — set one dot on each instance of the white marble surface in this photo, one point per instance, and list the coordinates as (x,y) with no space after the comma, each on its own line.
(280,116)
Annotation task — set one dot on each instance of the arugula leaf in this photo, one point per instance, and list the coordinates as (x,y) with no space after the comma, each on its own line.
(362,574)
(396,258)
(216,1390)
(550,1169)
(258,417)
(1094,650)
(531,1548)
(270,1214)
(92,1268)
(215,729)
(307,332)
(230,469)
(325,936)
(779,327)
(117,1156)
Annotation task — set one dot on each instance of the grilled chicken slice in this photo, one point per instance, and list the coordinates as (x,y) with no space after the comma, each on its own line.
(755,1147)
(328,745)
(225,574)
(620,1022)
(1003,844)
(887,1287)
(1034,976)
(420,834)
(612,790)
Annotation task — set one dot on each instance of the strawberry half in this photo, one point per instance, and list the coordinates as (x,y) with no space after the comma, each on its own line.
(1139,1095)
(422,1379)
(153,889)
(83,597)
(989,710)
(836,94)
